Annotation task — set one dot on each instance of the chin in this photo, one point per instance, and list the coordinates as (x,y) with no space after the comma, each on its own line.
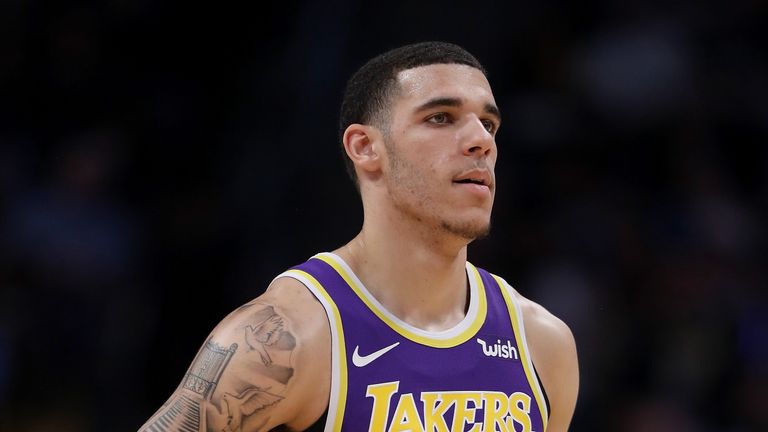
(468,230)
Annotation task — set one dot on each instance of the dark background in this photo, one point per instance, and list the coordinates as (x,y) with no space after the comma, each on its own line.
(161,162)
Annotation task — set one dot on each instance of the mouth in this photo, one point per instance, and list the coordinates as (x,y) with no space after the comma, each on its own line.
(475,177)
(476,181)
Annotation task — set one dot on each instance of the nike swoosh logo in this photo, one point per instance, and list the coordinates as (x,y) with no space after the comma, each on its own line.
(361,361)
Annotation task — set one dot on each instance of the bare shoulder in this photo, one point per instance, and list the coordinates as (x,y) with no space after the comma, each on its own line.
(544,330)
(265,365)
(553,351)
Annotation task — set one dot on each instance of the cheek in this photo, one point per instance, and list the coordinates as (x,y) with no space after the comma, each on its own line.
(434,169)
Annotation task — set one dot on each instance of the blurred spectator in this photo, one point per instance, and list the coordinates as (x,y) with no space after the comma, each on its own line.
(71,248)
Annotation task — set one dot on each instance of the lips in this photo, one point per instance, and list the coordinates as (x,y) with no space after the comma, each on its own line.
(478,177)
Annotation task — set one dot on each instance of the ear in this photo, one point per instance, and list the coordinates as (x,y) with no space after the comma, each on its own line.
(361,142)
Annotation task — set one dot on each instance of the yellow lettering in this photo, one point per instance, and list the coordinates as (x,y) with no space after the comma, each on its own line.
(434,419)
(381,394)
(519,408)
(501,413)
(496,406)
(462,412)
(406,416)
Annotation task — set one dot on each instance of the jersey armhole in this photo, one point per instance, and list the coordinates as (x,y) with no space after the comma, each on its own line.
(332,418)
(543,391)
(518,325)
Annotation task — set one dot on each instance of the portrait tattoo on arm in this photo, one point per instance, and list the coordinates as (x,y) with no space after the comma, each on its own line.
(267,337)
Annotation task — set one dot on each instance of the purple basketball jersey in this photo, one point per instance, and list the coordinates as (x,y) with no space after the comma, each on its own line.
(390,376)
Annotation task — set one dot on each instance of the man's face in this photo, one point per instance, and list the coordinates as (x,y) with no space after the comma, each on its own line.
(441,148)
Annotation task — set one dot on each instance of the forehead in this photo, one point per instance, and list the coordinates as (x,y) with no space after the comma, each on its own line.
(443,80)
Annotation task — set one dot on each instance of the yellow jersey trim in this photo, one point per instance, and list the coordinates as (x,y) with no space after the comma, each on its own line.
(338,396)
(516,317)
(451,338)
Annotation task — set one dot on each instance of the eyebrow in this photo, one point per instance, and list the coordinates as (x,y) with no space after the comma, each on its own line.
(455,102)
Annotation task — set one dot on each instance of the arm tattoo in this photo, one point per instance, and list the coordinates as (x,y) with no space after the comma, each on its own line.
(247,403)
(265,333)
(183,413)
(207,368)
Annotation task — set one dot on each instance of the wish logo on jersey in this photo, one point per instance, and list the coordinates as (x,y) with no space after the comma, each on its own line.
(499,349)
(473,411)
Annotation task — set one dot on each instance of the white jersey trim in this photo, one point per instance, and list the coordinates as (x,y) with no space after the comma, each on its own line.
(456,331)
(533,378)
(337,397)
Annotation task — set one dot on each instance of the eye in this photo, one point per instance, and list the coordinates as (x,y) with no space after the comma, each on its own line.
(490,126)
(439,118)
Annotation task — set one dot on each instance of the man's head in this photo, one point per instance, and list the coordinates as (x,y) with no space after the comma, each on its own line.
(370,91)
(422,141)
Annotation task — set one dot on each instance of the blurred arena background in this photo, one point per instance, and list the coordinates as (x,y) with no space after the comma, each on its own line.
(161,162)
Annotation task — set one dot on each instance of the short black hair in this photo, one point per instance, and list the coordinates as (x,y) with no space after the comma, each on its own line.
(369,91)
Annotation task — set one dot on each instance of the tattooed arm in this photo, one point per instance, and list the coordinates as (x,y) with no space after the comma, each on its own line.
(265,366)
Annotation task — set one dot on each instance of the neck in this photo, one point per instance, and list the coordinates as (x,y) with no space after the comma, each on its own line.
(420,278)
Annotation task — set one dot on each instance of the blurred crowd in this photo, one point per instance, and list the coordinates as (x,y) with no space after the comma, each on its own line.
(160,163)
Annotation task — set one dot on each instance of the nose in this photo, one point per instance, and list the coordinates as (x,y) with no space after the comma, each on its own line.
(477,140)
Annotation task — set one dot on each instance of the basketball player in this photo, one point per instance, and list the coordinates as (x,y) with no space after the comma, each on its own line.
(394,331)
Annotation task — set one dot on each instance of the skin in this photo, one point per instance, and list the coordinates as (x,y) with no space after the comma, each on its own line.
(441,129)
